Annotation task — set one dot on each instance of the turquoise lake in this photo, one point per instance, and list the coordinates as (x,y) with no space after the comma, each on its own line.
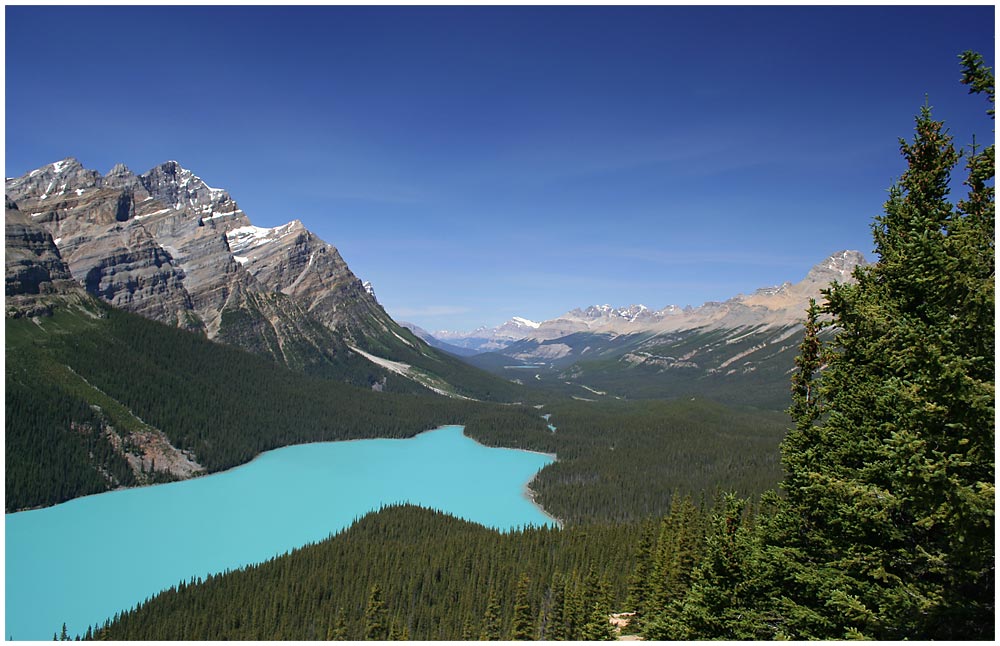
(84,560)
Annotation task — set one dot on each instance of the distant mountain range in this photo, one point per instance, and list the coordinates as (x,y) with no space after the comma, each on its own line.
(768,306)
(741,349)
(486,339)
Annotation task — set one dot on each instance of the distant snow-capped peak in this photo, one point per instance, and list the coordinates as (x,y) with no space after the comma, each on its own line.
(629,313)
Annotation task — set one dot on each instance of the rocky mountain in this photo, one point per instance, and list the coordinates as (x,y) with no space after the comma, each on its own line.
(167,246)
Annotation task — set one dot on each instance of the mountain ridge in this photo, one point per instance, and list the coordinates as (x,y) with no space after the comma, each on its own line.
(772,306)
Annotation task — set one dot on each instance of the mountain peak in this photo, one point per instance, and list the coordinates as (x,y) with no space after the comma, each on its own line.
(838,266)
(183,253)
(177,186)
(170,166)
(769,306)
(67,164)
(609,313)
(53,180)
(119,176)
(119,170)
(64,166)
(173,170)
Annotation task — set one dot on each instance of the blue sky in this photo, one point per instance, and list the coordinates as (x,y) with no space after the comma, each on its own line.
(482,162)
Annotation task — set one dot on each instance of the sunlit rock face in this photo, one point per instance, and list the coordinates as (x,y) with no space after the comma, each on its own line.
(169,247)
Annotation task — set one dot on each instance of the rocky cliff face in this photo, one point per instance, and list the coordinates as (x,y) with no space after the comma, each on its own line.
(37,277)
(291,260)
(33,263)
(169,247)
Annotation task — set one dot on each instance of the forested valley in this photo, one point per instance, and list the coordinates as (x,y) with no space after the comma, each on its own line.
(873,519)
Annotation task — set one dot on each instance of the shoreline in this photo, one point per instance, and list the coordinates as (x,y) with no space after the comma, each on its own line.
(205,473)
(526,489)
(530,494)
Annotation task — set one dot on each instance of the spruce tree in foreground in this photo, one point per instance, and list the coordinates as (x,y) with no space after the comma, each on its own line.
(887,528)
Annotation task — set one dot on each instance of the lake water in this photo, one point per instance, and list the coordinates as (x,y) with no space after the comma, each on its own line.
(84,560)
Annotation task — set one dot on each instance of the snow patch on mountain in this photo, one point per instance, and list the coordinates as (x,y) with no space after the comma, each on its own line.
(398,367)
(247,237)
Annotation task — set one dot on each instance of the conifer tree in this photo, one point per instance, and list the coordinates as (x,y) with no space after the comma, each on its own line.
(726,585)
(597,626)
(337,630)
(641,579)
(522,628)
(805,398)
(888,528)
(491,619)
(376,616)
(574,610)
(556,624)
(468,634)
(678,549)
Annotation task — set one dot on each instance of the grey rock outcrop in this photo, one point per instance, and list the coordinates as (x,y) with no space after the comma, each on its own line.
(33,264)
